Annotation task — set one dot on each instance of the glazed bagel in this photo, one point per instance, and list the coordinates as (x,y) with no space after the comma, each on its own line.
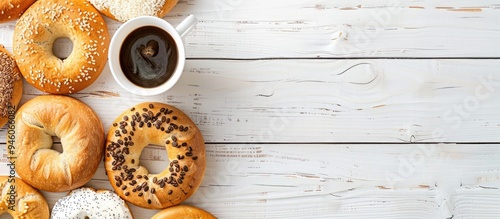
(156,124)
(86,202)
(82,139)
(183,211)
(13,9)
(34,36)
(20,200)
(11,86)
(126,10)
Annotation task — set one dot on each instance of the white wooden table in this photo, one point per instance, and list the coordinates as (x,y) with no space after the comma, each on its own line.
(332,109)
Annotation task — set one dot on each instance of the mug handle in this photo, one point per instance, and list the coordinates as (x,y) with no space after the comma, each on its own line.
(186,25)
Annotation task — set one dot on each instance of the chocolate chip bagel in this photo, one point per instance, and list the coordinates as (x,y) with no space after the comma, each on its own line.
(156,124)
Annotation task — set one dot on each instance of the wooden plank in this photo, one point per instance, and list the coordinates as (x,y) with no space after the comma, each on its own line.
(313,28)
(339,180)
(324,100)
(298,28)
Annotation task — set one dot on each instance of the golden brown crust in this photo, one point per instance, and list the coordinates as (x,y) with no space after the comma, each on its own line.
(157,124)
(28,203)
(13,9)
(82,139)
(168,5)
(9,92)
(183,211)
(41,25)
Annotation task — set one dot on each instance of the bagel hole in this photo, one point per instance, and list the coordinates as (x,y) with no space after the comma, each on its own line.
(62,48)
(56,145)
(6,216)
(157,158)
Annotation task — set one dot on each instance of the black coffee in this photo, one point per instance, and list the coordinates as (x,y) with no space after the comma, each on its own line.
(148,56)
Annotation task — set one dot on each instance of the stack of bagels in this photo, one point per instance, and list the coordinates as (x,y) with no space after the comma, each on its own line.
(35,164)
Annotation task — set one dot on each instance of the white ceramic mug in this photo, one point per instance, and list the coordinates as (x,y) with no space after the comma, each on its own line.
(177,33)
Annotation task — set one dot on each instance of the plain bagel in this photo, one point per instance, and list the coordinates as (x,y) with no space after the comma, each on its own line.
(87,202)
(126,10)
(37,30)
(156,124)
(20,200)
(13,9)
(183,211)
(82,139)
(11,86)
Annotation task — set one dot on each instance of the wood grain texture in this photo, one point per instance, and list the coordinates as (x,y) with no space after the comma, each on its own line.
(341,181)
(330,109)
(317,29)
(324,100)
(311,28)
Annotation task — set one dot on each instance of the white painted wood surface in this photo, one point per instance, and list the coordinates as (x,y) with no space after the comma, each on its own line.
(332,109)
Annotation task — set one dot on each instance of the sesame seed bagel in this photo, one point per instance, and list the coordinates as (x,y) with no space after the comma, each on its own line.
(11,86)
(13,9)
(87,202)
(34,36)
(125,10)
(155,124)
(20,200)
(183,211)
(82,140)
